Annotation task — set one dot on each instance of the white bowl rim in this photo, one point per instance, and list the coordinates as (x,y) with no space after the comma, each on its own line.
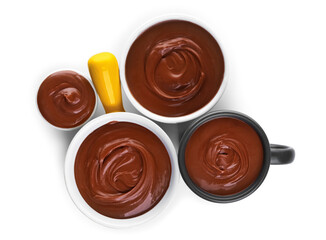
(61,128)
(145,111)
(70,163)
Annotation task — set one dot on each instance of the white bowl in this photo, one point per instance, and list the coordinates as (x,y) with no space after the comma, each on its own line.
(70,163)
(145,111)
(61,128)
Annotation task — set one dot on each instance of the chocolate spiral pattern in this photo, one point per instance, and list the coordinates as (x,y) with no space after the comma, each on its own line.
(226,159)
(122,170)
(66,99)
(174,69)
(224,156)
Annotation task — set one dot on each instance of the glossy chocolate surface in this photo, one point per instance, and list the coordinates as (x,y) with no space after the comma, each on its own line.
(174,68)
(122,170)
(224,156)
(66,99)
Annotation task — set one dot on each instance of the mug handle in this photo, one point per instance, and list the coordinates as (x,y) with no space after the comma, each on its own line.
(104,71)
(281,154)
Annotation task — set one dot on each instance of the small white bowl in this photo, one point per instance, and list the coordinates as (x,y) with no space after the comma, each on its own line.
(145,111)
(60,128)
(70,163)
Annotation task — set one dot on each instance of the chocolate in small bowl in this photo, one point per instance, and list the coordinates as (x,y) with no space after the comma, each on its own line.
(66,99)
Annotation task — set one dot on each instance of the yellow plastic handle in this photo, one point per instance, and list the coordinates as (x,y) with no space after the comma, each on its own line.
(104,71)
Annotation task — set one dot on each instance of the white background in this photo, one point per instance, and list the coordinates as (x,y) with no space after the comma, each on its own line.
(277,55)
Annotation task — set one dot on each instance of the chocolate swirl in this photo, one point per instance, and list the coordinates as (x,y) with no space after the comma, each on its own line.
(66,99)
(226,159)
(122,170)
(174,69)
(224,156)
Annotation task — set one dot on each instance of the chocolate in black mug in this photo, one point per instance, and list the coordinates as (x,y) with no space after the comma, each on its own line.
(225,156)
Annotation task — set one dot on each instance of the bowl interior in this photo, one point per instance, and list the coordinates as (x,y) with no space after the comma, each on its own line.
(145,111)
(61,128)
(70,162)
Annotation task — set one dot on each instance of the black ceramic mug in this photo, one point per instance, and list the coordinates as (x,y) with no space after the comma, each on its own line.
(271,154)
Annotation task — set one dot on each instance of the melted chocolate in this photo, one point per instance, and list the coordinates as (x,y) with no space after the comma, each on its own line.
(122,170)
(66,99)
(224,156)
(174,68)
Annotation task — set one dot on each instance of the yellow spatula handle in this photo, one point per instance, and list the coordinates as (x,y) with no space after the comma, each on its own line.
(104,71)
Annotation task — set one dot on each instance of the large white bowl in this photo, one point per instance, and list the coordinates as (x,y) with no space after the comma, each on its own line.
(70,164)
(145,111)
